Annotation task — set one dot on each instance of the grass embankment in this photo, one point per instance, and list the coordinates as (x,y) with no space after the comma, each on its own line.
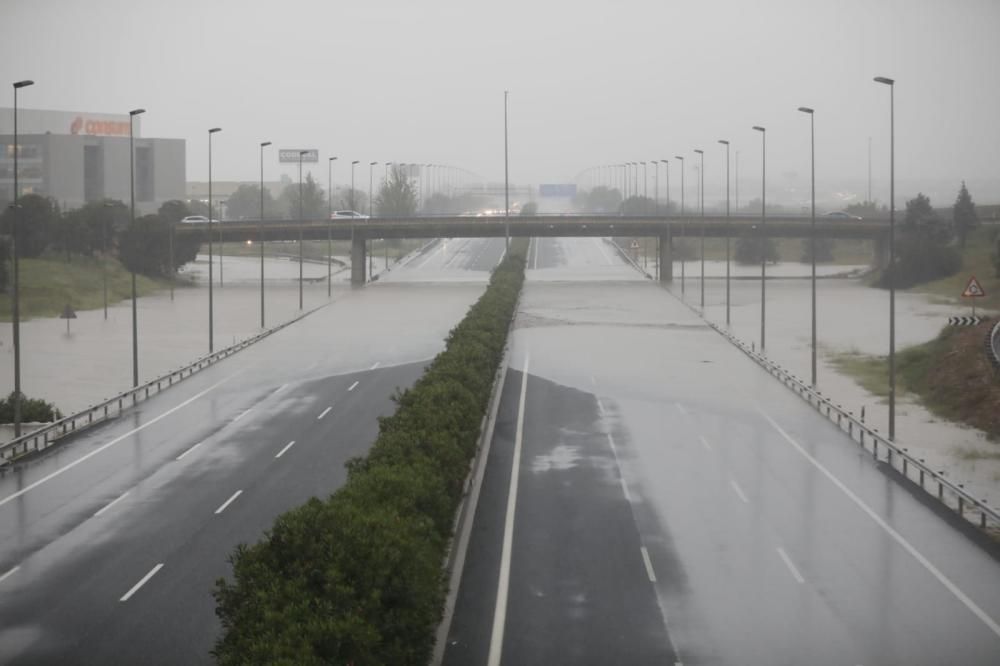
(846,252)
(951,375)
(313,250)
(357,578)
(48,284)
(976,260)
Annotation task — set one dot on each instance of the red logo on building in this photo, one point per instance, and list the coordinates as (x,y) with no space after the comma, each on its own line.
(76,125)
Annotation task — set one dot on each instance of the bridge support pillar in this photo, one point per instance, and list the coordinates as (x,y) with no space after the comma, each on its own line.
(666,258)
(880,257)
(358,261)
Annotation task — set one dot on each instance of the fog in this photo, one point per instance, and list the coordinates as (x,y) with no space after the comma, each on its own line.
(591,83)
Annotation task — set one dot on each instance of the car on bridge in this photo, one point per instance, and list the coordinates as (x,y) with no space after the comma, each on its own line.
(842,215)
(196,219)
(347,215)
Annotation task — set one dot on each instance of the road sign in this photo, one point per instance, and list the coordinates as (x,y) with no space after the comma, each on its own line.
(964,321)
(973,289)
(291,155)
(635,245)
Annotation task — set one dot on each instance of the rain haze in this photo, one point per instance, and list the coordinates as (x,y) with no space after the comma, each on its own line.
(591,83)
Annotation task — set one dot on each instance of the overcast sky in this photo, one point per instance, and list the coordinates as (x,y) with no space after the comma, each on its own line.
(591,82)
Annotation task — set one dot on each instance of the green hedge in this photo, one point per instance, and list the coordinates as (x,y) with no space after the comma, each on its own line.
(33,410)
(357,578)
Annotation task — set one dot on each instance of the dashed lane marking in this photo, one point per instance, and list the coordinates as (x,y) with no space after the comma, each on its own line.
(648,563)
(286,447)
(112,503)
(324,413)
(353,386)
(228,502)
(791,566)
(145,579)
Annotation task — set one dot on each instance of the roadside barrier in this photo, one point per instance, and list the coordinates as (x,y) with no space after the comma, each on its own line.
(44,437)
(993,346)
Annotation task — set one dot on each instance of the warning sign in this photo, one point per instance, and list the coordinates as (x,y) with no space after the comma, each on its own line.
(973,289)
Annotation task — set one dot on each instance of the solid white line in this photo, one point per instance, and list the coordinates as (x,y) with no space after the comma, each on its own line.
(600,406)
(228,502)
(242,415)
(101,448)
(281,388)
(352,386)
(791,567)
(9,574)
(621,477)
(145,579)
(537,243)
(739,491)
(648,563)
(282,451)
(113,502)
(503,585)
(600,246)
(704,442)
(376,365)
(324,413)
(944,580)
(181,456)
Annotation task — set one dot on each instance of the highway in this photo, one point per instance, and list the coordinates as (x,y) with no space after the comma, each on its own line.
(652,497)
(110,544)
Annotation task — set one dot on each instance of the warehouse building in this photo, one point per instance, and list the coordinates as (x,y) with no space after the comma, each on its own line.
(76,158)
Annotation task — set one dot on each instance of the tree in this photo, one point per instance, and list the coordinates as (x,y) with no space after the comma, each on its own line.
(4,257)
(867,209)
(529,209)
(244,203)
(965,217)
(923,248)
(600,199)
(824,250)
(198,207)
(398,197)
(753,248)
(174,211)
(37,222)
(350,199)
(313,200)
(145,248)
(93,227)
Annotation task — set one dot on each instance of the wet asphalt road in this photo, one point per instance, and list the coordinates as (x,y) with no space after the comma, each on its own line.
(675,504)
(110,544)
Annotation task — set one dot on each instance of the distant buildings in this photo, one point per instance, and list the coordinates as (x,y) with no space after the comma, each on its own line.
(76,157)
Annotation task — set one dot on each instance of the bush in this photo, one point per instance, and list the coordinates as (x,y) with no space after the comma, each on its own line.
(357,578)
(33,410)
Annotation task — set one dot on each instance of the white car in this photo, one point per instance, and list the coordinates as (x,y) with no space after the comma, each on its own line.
(347,215)
(197,219)
(842,215)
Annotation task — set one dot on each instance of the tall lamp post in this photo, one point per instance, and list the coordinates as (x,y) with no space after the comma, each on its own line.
(506,176)
(260,230)
(15,302)
(211,260)
(812,228)
(666,184)
(701,206)
(656,186)
(763,236)
(131,197)
(683,220)
(892,253)
(302,222)
(726,144)
(329,224)
(371,213)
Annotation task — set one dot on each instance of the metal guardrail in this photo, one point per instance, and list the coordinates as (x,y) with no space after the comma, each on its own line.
(951,495)
(44,437)
(993,345)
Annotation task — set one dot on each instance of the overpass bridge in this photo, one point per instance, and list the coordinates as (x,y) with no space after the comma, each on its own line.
(666,229)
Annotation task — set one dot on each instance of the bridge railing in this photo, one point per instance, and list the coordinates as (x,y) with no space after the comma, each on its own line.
(915,470)
(110,408)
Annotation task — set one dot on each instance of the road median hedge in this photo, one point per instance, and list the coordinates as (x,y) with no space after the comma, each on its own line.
(357,578)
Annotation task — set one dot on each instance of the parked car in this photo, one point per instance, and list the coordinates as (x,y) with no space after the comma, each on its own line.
(347,215)
(195,219)
(842,215)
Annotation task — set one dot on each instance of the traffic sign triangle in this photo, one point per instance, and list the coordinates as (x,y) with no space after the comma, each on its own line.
(973,289)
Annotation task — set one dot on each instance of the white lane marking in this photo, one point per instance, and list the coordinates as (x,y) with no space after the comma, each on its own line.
(375,365)
(353,386)
(101,448)
(243,414)
(324,413)
(503,585)
(704,442)
(738,491)
(145,579)
(181,456)
(944,580)
(791,567)
(228,502)
(536,243)
(621,477)
(280,389)
(681,409)
(111,504)
(600,246)
(9,573)
(600,406)
(282,451)
(648,563)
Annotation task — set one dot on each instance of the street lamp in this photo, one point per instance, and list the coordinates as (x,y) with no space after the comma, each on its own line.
(762,240)
(302,222)
(353,203)
(726,144)
(892,253)
(211,261)
(329,224)
(506,176)
(812,237)
(683,221)
(371,211)
(17,294)
(656,186)
(131,189)
(666,184)
(701,205)
(260,232)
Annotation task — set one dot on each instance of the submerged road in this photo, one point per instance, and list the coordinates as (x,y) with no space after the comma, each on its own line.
(110,544)
(652,497)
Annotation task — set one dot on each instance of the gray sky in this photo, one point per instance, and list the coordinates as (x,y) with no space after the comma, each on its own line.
(590,83)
